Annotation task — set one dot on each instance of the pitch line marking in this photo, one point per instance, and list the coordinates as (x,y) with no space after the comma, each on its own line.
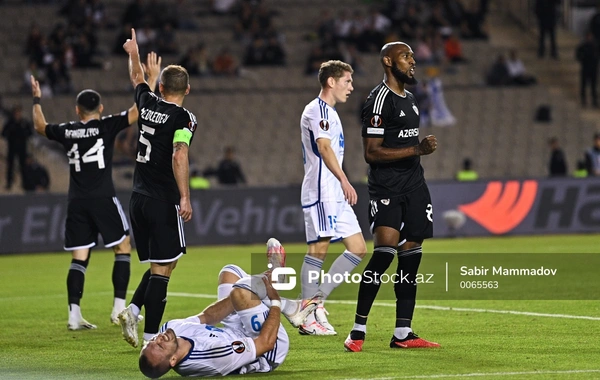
(484,374)
(431,307)
(342,302)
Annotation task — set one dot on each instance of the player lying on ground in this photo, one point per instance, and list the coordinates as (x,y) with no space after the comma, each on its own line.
(252,338)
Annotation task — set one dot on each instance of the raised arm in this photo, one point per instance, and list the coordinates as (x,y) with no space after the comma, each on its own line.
(152,70)
(136,72)
(39,121)
(375,152)
(326,152)
(267,338)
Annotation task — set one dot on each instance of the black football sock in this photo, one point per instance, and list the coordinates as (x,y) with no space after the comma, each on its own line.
(406,286)
(140,291)
(380,261)
(155,302)
(120,275)
(75,280)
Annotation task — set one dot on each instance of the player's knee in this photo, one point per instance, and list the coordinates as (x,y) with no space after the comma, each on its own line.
(319,249)
(123,247)
(226,277)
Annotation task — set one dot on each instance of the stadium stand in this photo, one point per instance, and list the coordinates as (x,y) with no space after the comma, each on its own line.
(259,111)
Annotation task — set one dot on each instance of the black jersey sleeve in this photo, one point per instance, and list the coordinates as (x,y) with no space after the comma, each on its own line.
(116,123)
(142,94)
(56,132)
(376,113)
(186,122)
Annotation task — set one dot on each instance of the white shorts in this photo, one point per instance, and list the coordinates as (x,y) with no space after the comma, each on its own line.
(269,360)
(336,220)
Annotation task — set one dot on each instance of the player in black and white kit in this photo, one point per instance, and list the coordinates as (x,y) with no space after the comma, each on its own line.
(160,203)
(400,210)
(93,207)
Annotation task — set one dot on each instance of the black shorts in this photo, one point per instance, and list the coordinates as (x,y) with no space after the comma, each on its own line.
(411,214)
(88,217)
(157,229)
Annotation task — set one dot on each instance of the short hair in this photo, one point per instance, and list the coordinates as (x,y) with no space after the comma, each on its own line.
(333,69)
(153,371)
(175,80)
(88,101)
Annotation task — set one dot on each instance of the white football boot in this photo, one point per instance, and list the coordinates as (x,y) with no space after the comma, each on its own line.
(129,322)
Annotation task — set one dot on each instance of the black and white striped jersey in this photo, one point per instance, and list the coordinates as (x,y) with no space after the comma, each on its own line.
(89,147)
(157,123)
(395,119)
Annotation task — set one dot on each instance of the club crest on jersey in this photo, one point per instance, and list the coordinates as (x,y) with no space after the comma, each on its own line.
(376,121)
(415,109)
(324,124)
(192,126)
(238,347)
(385,201)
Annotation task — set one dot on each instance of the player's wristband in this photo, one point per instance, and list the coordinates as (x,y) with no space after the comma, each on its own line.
(276,303)
(36,100)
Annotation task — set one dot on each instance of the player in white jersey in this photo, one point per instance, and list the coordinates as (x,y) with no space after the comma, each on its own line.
(252,338)
(327,195)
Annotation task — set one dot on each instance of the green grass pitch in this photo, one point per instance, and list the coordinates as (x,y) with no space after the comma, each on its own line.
(491,339)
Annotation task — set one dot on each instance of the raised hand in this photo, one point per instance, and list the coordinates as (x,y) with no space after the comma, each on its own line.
(131,46)
(427,146)
(35,88)
(152,65)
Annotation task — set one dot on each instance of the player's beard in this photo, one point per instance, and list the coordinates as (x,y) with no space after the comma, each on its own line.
(402,77)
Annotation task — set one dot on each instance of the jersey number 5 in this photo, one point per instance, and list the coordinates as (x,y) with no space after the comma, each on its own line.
(144,141)
(94,154)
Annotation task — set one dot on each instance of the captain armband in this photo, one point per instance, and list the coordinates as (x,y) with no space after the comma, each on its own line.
(183,136)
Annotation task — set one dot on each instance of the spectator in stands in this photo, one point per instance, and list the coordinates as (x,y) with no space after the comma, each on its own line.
(146,37)
(59,78)
(467,173)
(581,171)
(453,49)
(343,25)
(96,13)
(557,167)
(135,14)
(517,72)
(473,24)
(498,74)
(34,40)
(223,7)
(314,60)
(588,56)
(274,52)
(225,64)
(409,24)
(592,157)
(16,131)
(4,112)
(594,25)
(166,42)
(546,12)
(35,176)
(196,61)
(229,171)
(198,181)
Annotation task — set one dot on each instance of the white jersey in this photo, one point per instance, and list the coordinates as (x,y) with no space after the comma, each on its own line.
(215,351)
(319,120)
